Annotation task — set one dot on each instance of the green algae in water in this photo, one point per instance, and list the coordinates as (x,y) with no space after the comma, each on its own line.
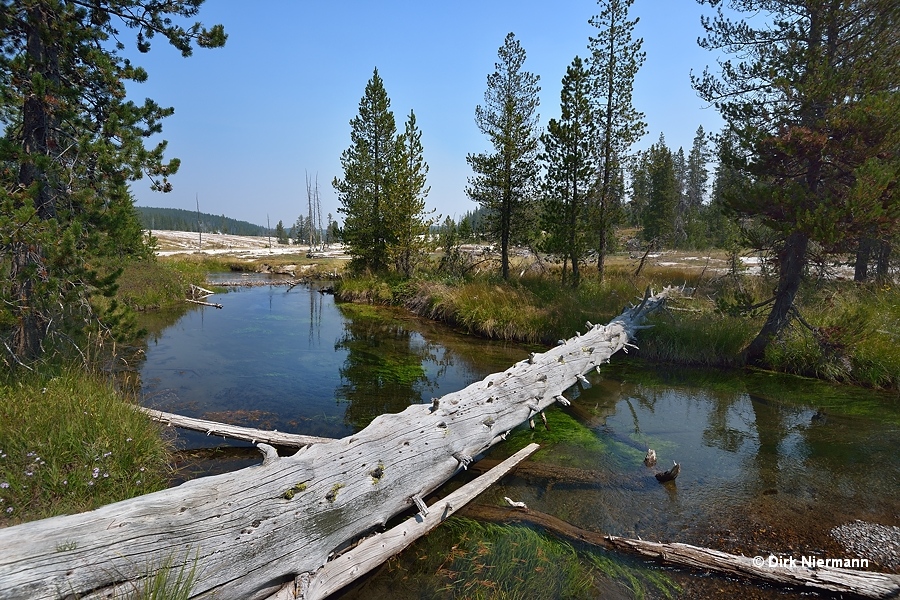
(468,559)
(563,429)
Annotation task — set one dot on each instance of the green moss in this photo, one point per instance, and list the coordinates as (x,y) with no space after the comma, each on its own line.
(332,495)
(293,490)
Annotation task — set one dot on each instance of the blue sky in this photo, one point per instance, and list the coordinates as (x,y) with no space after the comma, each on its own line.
(252,118)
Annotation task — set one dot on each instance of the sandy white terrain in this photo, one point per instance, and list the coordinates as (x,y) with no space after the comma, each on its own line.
(241,246)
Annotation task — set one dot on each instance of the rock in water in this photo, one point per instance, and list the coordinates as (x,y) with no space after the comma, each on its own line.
(669,475)
(650,459)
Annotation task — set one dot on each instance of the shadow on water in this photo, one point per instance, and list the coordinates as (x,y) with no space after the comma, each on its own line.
(770,464)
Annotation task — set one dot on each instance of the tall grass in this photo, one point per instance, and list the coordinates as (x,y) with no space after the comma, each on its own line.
(69,443)
(843,332)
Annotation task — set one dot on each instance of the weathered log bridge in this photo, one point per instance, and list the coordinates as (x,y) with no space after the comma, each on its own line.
(285,528)
(253,531)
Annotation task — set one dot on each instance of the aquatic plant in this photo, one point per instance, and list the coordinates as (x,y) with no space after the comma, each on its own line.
(468,559)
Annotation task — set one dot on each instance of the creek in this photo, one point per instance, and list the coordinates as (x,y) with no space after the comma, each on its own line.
(770,464)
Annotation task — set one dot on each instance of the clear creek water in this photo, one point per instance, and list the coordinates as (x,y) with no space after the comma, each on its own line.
(770,464)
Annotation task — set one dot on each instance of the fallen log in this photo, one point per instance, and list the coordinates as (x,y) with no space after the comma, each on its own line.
(247,434)
(833,580)
(374,550)
(251,531)
(201,303)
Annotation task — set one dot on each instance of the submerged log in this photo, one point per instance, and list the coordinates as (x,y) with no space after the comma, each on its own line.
(251,531)
(833,580)
(247,434)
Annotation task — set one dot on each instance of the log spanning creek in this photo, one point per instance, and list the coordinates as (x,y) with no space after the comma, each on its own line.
(775,468)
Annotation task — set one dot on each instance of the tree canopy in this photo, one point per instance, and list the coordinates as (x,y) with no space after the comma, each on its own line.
(383,191)
(72,143)
(505,180)
(813,108)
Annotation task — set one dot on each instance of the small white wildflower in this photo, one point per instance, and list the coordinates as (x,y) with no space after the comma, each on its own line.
(142,469)
(91,482)
(65,482)
(29,473)
(105,475)
(139,482)
(106,454)
(128,439)
(9,510)
(30,454)
(4,485)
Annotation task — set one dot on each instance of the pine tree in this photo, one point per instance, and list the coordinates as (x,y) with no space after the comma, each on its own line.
(505,180)
(659,216)
(615,60)
(697,174)
(368,176)
(281,235)
(72,143)
(409,222)
(814,107)
(570,151)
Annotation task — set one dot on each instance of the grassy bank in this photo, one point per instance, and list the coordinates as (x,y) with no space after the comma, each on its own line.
(69,443)
(847,332)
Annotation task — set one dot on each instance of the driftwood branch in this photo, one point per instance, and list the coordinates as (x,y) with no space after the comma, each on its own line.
(201,303)
(834,580)
(251,531)
(247,434)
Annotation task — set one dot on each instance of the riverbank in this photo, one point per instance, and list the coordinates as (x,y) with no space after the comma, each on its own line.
(70,442)
(845,332)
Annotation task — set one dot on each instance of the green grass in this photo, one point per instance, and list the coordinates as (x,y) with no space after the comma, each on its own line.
(485,561)
(69,443)
(855,339)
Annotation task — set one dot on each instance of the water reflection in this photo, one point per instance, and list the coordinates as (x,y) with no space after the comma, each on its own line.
(383,370)
(297,361)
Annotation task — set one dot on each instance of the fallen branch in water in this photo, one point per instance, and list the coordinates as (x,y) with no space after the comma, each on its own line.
(247,434)
(201,303)
(835,580)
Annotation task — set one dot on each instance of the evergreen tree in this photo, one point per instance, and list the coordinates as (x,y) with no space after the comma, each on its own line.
(697,175)
(813,105)
(368,166)
(281,235)
(409,222)
(640,188)
(505,180)
(659,216)
(615,59)
(570,151)
(72,143)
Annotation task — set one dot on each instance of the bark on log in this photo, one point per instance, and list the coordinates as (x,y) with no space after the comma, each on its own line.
(253,530)
(247,434)
(833,580)
(374,550)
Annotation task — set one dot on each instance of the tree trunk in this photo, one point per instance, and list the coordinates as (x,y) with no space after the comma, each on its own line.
(251,531)
(863,253)
(791,261)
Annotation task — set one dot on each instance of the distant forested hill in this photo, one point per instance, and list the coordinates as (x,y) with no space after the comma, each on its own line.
(177,219)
